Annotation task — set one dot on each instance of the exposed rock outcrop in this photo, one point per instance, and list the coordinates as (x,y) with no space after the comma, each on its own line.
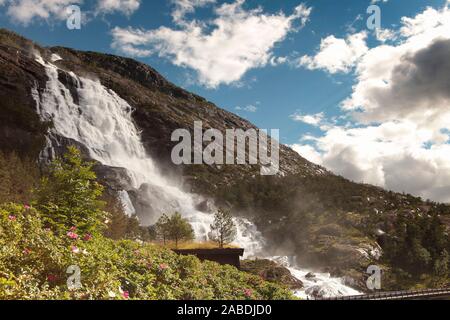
(271,271)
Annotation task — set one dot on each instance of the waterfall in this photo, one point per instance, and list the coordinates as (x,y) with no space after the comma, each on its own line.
(102,121)
(99,119)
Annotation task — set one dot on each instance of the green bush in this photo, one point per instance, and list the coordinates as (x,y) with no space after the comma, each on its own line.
(174,228)
(18,176)
(38,245)
(34,261)
(69,196)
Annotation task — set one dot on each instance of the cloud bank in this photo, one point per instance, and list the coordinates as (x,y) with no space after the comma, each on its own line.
(29,11)
(396,132)
(221,50)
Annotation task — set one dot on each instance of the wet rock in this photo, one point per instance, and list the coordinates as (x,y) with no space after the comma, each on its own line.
(271,271)
(206,206)
(69,82)
(316,292)
(310,275)
(143,207)
(116,179)
(57,146)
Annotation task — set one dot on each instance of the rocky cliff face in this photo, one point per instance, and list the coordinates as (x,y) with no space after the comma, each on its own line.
(20,129)
(344,236)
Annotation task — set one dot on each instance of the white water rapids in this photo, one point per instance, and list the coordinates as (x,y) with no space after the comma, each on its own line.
(102,122)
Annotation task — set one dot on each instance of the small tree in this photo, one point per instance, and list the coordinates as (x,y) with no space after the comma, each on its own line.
(441,264)
(223,229)
(69,196)
(179,229)
(162,228)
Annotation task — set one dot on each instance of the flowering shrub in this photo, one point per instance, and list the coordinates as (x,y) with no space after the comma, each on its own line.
(34,261)
(42,248)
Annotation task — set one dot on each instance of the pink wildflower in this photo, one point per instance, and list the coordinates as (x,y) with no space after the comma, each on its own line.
(72,235)
(75,249)
(26,251)
(12,218)
(27,206)
(87,237)
(126,295)
(163,266)
(73,229)
(52,278)
(248,292)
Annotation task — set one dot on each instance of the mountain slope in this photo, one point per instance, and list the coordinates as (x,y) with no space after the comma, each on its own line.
(305,211)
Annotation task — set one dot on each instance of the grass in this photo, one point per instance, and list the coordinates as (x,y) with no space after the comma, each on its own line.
(198,245)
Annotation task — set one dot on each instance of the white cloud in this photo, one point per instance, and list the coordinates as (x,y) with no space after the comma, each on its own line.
(275,61)
(423,22)
(393,155)
(221,50)
(183,7)
(337,55)
(26,11)
(400,107)
(311,119)
(308,152)
(29,11)
(384,35)
(126,7)
(408,80)
(250,108)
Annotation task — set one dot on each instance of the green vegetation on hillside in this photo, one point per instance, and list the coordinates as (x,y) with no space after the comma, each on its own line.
(18,176)
(325,219)
(39,243)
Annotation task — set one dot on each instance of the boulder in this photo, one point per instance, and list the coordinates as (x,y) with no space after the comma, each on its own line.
(271,271)
(116,179)
(206,206)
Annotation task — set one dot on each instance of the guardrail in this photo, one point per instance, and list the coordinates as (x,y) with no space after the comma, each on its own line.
(399,295)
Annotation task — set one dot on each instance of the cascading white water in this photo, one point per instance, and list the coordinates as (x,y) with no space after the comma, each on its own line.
(316,284)
(321,285)
(102,122)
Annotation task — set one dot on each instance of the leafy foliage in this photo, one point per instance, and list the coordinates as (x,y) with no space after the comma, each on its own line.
(34,261)
(69,196)
(162,228)
(174,228)
(121,226)
(419,245)
(223,229)
(18,176)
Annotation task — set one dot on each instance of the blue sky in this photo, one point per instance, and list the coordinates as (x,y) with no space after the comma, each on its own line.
(305,60)
(277,92)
